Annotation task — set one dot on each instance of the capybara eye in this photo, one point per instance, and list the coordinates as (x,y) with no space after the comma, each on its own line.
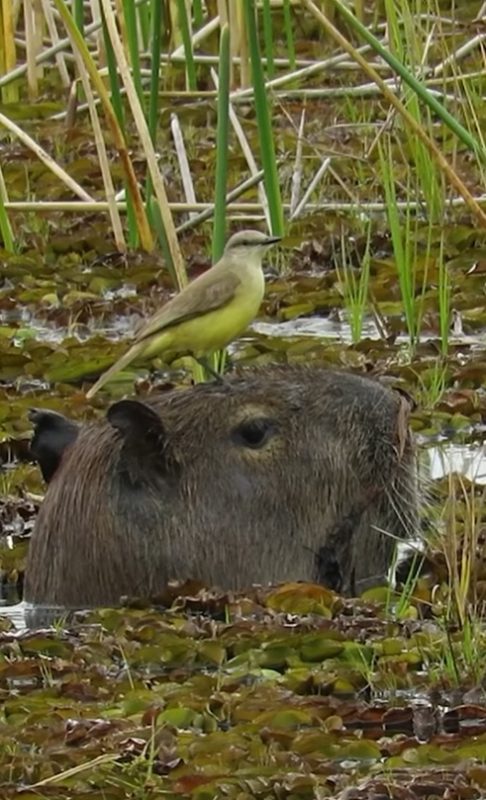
(254,433)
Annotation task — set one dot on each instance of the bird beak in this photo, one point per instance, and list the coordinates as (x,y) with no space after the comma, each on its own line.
(272,240)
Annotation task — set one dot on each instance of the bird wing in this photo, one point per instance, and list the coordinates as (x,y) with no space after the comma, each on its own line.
(206,293)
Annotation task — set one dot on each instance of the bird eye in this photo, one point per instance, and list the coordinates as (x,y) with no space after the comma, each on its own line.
(254,433)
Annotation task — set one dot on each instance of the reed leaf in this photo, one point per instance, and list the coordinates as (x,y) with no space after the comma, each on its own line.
(222,143)
(187,42)
(267,146)
(268,38)
(5,227)
(153,105)
(197,13)
(133,49)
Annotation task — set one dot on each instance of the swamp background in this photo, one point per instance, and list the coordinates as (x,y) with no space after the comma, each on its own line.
(122,130)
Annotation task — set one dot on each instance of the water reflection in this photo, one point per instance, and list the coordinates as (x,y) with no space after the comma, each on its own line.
(466,460)
(324,327)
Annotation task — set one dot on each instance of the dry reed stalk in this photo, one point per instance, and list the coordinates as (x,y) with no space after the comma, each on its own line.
(109,189)
(144,134)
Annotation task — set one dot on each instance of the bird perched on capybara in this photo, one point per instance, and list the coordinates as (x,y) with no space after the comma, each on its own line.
(284,473)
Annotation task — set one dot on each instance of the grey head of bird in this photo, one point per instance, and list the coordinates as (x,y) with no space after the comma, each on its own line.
(249,244)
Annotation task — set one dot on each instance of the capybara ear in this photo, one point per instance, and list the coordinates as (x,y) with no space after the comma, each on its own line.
(52,434)
(412,403)
(143,438)
(134,419)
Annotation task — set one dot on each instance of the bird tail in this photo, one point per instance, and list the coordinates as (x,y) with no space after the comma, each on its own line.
(122,362)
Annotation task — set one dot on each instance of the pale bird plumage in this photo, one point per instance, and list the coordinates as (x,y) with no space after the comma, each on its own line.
(209,312)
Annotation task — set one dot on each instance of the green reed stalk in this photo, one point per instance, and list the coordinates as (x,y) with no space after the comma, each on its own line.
(432,383)
(153,213)
(143,14)
(117,103)
(153,106)
(187,42)
(268,38)
(355,289)
(272,185)
(155,51)
(406,43)
(5,227)
(289,36)
(401,240)
(197,13)
(133,49)
(222,144)
(444,298)
(78,14)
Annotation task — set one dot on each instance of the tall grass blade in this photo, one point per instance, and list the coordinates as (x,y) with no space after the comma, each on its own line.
(355,289)
(133,48)
(445,293)
(400,235)
(267,146)
(79,14)
(187,42)
(197,13)
(143,17)
(153,106)
(268,38)
(222,143)
(5,227)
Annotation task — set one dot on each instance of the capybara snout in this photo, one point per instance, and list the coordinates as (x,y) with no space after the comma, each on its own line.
(287,473)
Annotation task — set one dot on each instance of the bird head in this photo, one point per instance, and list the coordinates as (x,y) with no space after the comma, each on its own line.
(249,243)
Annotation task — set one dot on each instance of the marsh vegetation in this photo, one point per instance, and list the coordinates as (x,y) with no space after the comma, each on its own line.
(356,130)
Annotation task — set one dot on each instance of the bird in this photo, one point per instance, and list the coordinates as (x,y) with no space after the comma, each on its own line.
(208,313)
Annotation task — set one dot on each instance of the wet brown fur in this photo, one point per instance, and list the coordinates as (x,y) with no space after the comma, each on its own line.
(185,498)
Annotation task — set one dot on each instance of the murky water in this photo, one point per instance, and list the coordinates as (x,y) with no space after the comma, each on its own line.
(338,327)
(319,327)
(466,460)
(16,613)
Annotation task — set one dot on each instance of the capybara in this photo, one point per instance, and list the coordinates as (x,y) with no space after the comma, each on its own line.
(276,474)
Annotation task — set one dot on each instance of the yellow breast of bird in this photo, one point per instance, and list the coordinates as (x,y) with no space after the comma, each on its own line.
(214,329)
(217,328)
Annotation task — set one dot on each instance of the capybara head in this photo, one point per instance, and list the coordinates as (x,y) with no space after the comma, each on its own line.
(287,473)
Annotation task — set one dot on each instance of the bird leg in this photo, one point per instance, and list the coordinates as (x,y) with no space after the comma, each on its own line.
(204,363)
